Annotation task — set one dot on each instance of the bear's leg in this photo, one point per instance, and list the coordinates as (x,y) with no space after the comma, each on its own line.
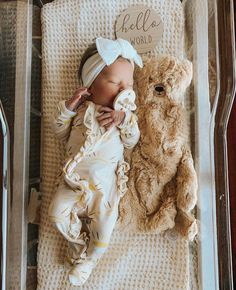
(186,183)
(186,225)
(164,218)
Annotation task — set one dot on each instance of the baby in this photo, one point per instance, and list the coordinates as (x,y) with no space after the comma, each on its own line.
(95,124)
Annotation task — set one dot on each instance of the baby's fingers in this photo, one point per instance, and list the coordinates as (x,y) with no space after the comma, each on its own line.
(104,109)
(105,121)
(82,90)
(104,116)
(109,126)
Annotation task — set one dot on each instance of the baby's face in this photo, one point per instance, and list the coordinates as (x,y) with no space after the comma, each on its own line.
(112,79)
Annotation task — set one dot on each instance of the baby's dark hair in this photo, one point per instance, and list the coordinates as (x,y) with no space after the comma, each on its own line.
(91,50)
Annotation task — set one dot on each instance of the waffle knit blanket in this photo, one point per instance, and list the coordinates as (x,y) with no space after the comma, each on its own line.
(133,261)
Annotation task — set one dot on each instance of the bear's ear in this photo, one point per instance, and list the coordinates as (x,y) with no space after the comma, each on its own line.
(142,74)
(182,79)
(145,58)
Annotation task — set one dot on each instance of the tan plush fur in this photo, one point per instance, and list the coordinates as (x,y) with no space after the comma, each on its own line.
(162,180)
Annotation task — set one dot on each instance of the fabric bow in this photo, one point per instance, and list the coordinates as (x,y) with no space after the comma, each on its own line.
(109,50)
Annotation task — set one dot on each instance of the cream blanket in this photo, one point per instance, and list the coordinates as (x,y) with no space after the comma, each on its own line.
(133,261)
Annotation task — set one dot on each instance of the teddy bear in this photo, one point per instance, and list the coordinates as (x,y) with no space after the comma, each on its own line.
(162,185)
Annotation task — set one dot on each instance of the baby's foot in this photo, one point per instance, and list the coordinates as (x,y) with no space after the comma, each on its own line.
(80,273)
(77,252)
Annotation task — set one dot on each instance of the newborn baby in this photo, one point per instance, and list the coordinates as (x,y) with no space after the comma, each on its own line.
(95,124)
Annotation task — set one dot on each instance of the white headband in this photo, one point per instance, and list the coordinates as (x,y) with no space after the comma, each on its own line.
(108,52)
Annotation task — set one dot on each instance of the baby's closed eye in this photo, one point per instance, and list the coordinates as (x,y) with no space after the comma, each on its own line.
(120,82)
(114,82)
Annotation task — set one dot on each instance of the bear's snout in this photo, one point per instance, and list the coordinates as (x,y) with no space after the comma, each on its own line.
(160,89)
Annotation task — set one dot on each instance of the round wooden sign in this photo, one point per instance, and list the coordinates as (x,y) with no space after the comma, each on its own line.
(141,26)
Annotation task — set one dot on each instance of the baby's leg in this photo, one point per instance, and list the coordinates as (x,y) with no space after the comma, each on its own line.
(63,211)
(101,228)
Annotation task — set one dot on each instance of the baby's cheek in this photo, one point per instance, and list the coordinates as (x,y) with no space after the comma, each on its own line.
(112,89)
(112,93)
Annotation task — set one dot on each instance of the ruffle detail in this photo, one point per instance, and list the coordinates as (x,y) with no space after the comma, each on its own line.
(122,178)
(92,132)
(95,135)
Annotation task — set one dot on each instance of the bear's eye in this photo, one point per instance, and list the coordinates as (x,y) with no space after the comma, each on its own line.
(160,89)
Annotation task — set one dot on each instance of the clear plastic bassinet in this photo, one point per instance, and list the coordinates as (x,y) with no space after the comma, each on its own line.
(209,44)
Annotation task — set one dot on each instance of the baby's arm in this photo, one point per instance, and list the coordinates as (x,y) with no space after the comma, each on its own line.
(61,121)
(126,121)
(66,110)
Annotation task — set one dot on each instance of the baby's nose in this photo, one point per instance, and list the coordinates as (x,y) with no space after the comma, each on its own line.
(123,87)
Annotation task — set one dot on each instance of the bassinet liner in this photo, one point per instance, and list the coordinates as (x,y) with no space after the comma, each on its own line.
(132,261)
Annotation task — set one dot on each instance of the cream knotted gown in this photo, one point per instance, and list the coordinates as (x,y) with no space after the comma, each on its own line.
(92,181)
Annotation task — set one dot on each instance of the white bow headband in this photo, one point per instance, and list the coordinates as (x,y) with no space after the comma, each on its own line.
(108,52)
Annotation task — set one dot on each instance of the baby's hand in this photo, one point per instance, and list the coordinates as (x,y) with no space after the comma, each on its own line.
(78,98)
(109,117)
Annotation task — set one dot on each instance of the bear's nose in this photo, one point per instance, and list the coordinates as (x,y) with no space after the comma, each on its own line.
(159,89)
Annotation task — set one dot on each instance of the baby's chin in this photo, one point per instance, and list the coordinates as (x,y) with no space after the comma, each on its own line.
(111,106)
(104,104)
